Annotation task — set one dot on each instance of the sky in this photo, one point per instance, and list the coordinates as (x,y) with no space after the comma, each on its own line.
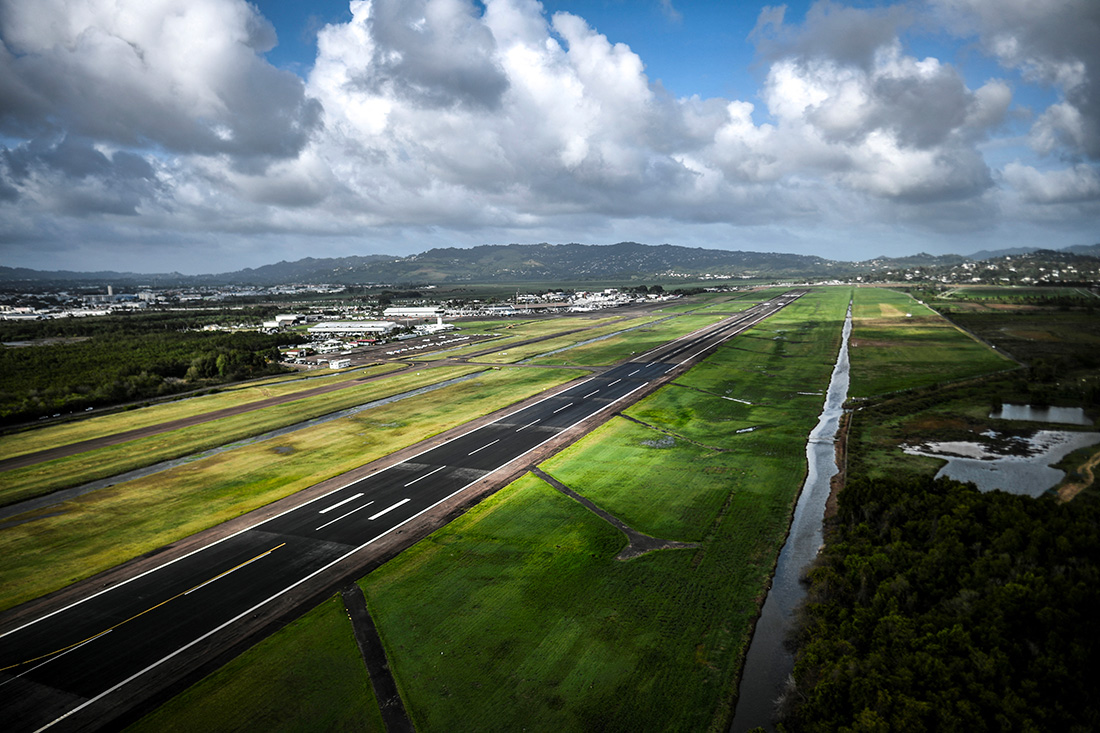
(210,135)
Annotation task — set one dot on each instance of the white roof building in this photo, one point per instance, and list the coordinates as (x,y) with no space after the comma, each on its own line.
(351,328)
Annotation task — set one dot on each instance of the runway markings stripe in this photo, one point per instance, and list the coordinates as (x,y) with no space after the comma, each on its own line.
(389,509)
(345,514)
(614,383)
(424,476)
(589,394)
(340,503)
(483,447)
(562,408)
(527,425)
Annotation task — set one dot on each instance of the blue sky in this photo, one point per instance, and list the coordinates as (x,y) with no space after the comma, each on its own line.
(208,135)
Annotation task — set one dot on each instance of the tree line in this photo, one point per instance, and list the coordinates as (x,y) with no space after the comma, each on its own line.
(936,607)
(117,359)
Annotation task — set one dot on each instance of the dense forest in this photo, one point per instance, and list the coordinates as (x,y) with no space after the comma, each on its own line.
(936,607)
(78,363)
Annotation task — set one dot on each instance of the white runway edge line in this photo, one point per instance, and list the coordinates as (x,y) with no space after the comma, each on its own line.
(340,503)
(475,450)
(294,585)
(422,477)
(389,509)
(345,514)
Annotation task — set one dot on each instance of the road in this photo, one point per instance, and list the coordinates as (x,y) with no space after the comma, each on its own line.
(61,671)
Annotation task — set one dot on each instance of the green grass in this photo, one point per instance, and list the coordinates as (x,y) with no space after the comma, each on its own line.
(307,676)
(517,615)
(518,353)
(898,344)
(514,331)
(78,538)
(37,439)
(618,348)
(43,478)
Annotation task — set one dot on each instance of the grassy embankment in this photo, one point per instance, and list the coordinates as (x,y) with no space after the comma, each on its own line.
(305,666)
(36,439)
(70,541)
(518,614)
(24,483)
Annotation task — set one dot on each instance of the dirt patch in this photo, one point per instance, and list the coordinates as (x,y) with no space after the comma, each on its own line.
(1088,470)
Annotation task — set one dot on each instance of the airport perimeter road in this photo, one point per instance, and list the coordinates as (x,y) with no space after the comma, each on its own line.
(63,670)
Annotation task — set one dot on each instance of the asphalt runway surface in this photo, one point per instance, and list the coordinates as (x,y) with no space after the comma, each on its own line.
(57,670)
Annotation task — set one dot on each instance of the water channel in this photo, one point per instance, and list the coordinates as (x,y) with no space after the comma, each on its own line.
(769,663)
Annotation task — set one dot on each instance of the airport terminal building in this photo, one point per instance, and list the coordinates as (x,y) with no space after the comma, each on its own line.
(352,328)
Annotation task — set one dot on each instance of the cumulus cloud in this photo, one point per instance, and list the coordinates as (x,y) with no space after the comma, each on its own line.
(1050,42)
(186,75)
(494,117)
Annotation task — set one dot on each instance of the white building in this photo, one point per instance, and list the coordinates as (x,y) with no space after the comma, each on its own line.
(352,328)
(339,363)
(398,312)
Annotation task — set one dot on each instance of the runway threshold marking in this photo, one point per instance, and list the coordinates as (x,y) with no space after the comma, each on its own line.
(82,642)
(340,503)
(389,509)
(562,408)
(424,476)
(483,447)
(528,425)
(345,514)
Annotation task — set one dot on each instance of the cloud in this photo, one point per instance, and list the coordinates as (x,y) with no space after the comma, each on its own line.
(185,75)
(436,118)
(1053,43)
(1078,184)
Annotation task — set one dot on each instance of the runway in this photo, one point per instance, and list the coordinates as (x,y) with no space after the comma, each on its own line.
(60,669)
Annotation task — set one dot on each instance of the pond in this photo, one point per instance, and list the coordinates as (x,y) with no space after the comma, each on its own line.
(1027,470)
(1064,415)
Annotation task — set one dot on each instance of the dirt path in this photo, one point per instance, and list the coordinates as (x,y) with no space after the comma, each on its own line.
(1088,469)
(393,710)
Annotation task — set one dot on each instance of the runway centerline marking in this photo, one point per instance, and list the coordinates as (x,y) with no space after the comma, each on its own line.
(232,569)
(528,425)
(345,514)
(614,383)
(340,503)
(562,408)
(589,394)
(389,509)
(424,476)
(483,447)
(632,373)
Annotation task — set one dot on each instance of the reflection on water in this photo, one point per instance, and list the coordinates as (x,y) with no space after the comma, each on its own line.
(1029,474)
(768,663)
(1064,415)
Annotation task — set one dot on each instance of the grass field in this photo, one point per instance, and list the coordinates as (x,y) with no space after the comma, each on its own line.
(623,346)
(64,543)
(513,331)
(519,353)
(29,441)
(899,344)
(517,615)
(25,483)
(285,683)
